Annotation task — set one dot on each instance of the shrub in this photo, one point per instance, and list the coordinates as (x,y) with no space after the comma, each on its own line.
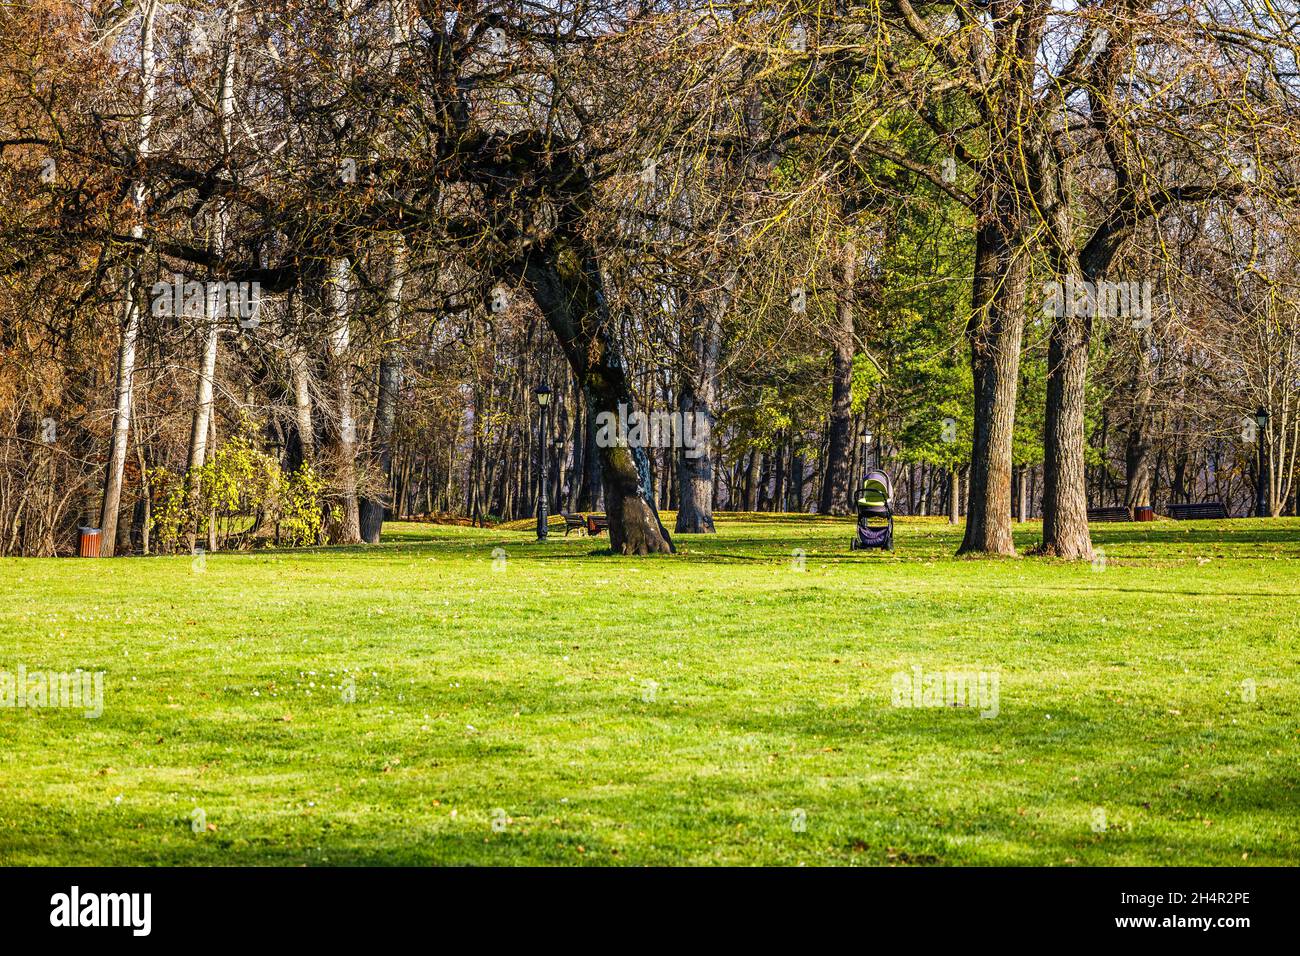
(240,489)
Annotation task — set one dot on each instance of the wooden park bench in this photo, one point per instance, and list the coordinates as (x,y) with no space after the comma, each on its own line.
(1203,509)
(592,524)
(1109,514)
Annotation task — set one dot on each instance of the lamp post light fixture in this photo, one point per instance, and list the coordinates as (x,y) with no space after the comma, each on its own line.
(1262,482)
(543,395)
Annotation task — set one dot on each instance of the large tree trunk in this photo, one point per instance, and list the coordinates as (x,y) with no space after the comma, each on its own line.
(565,281)
(337,286)
(1065,487)
(116,467)
(695,466)
(995,331)
(390,385)
(835,483)
(751,480)
(697,401)
(1065,479)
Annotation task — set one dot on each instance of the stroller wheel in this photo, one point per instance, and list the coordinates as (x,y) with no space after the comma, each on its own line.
(853,545)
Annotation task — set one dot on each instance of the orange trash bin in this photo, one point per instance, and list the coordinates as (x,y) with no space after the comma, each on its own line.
(90,538)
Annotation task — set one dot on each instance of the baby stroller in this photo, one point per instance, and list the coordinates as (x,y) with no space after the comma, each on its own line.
(875,500)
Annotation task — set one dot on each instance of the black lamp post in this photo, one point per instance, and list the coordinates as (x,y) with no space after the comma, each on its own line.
(1261,489)
(543,396)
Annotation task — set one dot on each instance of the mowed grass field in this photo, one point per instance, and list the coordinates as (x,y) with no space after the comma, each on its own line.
(421,702)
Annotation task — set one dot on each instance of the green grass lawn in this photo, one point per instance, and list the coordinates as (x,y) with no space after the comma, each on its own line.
(561,706)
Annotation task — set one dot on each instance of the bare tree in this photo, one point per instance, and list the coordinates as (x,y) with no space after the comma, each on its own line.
(131,292)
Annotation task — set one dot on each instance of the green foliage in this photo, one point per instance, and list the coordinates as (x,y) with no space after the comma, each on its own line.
(866,379)
(300,503)
(932,392)
(240,489)
(239,479)
(169,512)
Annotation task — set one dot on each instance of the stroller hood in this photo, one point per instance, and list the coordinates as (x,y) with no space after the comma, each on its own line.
(877,490)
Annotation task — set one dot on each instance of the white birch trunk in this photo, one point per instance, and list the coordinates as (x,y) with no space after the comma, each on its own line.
(337,286)
(108,515)
(201,426)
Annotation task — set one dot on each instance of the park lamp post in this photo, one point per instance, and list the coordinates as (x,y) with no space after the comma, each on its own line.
(543,395)
(1262,482)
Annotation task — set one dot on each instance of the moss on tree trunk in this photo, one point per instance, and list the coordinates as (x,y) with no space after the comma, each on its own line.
(564,278)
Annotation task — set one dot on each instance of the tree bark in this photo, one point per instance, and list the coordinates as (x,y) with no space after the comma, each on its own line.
(115,468)
(835,482)
(372,510)
(995,331)
(751,480)
(1065,490)
(698,397)
(1065,479)
(565,281)
(337,285)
